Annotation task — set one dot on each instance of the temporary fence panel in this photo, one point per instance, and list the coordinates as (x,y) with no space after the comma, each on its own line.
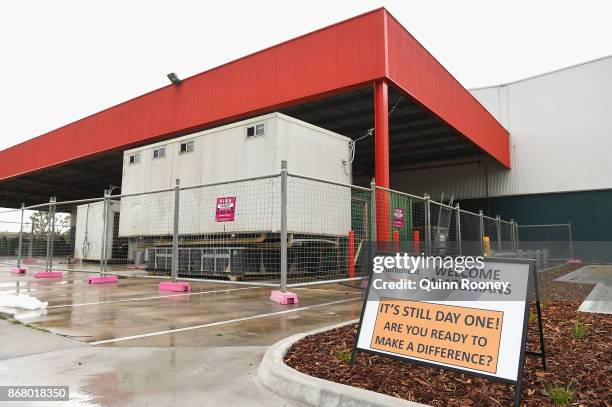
(420,229)
(327,230)
(406,222)
(490,231)
(62,234)
(46,233)
(10,228)
(282,230)
(89,241)
(143,231)
(554,239)
(230,230)
(507,236)
(444,229)
(146,214)
(471,233)
(38,238)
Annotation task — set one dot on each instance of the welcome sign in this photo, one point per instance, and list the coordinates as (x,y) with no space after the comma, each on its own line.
(473,320)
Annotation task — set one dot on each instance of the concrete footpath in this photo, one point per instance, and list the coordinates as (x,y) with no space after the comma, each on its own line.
(110,376)
(17,340)
(600,298)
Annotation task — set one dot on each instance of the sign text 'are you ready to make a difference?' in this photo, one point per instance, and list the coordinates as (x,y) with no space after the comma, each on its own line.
(462,313)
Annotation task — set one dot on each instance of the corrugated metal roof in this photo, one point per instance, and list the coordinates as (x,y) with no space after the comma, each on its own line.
(345,56)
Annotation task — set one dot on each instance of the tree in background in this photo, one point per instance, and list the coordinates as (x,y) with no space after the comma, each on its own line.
(41,223)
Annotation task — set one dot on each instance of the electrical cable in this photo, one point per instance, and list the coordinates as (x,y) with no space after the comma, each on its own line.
(352,143)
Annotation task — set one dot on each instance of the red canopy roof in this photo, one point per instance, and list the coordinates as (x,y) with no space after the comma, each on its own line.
(345,55)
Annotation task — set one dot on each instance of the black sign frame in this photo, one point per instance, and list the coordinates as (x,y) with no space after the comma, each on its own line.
(517,383)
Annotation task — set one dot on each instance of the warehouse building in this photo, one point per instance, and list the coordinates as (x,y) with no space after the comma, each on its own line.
(560,142)
(365,78)
(535,150)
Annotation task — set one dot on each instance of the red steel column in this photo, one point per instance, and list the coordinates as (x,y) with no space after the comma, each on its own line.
(381,141)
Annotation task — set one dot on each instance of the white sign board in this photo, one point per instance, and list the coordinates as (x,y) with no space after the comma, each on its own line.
(473,321)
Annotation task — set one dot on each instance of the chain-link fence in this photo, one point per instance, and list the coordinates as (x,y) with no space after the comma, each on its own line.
(327,230)
(282,230)
(10,228)
(420,225)
(507,236)
(403,220)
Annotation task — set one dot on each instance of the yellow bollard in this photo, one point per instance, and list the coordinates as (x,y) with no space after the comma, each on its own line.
(486,244)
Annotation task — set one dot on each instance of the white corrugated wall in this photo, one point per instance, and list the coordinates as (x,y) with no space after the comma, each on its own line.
(560,126)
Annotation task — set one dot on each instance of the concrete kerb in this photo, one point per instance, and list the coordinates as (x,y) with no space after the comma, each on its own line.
(281,379)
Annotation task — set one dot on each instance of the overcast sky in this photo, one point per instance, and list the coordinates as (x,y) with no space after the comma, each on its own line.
(63,60)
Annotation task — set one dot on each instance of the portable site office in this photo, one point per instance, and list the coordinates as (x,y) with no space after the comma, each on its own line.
(240,161)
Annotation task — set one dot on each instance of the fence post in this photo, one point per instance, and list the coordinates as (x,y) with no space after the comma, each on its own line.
(373,210)
(283,225)
(571,239)
(458,228)
(512,235)
(482,248)
(103,256)
(499,234)
(47,226)
(52,235)
(20,236)
(428,223)
(50,232)
(517,236)
(175,231)
(31,248)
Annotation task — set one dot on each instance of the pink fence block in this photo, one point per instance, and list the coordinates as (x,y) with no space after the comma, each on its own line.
(103,279)
(284,298)
(48,274)
(19,270)
(574,261)
(170,286)
(29,261)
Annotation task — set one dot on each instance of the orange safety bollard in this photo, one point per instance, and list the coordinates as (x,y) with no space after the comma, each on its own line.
(416,242)
(396,243)
(486,246)
(351,253)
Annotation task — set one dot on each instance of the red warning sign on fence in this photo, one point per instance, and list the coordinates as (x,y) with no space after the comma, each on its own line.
(398,217)
(226,209)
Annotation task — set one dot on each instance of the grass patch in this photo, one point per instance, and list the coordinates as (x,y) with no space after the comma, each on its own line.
(345,355)
(533,317)
(561,396)
(579,330)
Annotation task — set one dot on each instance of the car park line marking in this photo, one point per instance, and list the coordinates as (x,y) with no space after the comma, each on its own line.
(150,298)
(328,290)
(229,321)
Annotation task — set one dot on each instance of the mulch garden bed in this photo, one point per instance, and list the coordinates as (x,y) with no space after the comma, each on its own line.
(585,365)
